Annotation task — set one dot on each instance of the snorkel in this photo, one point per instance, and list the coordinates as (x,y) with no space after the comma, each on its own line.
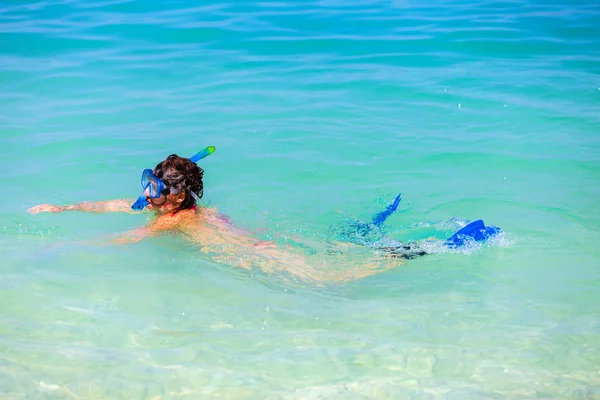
(153,186)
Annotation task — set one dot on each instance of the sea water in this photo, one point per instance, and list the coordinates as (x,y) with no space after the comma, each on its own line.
(321,112)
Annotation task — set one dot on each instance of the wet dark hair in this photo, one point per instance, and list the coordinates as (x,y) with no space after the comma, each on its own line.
(181,174)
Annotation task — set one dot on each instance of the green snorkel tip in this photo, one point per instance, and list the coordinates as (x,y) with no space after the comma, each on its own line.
(203,153)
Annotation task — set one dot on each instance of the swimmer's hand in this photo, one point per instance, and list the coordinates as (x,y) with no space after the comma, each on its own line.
(86,206)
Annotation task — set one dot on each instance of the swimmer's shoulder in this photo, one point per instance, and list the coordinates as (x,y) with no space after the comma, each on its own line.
(211,214)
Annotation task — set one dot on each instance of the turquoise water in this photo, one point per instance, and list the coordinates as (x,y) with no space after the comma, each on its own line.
(320,111)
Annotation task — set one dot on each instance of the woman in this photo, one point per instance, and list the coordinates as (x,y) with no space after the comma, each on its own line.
(173,190)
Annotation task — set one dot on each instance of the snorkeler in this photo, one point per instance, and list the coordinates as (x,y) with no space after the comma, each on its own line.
(173,190)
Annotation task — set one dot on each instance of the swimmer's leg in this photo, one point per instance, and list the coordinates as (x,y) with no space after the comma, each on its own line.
(409,251)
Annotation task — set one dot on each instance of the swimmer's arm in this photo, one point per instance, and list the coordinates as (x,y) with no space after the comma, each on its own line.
(120,205)
(163,223)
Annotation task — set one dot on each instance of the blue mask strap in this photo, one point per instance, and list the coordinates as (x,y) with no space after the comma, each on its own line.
(195,196)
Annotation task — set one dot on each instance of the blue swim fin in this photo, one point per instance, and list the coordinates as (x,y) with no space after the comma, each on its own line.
(476,231)
(379,218)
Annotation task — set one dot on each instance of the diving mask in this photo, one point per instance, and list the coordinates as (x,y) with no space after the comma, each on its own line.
(154,187)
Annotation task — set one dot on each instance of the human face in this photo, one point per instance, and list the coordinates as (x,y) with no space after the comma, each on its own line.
(165,203)
(155,192)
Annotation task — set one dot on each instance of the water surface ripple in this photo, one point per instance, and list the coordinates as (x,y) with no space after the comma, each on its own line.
(471,109)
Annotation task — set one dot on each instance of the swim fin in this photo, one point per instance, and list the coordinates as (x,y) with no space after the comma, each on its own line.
(476,231)
(379,218)
(364,233)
